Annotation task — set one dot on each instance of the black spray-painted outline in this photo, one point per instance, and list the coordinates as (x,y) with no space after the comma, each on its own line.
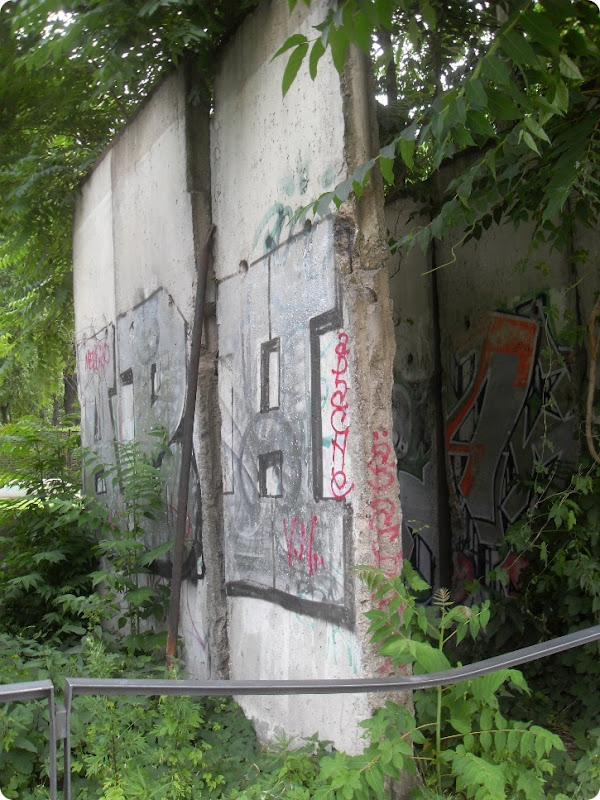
(266,461)
(266,348)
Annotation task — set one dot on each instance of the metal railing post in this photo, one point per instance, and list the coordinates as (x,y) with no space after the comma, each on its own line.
(37,690)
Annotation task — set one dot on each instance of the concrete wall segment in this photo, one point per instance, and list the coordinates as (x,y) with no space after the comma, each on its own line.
(505,385)
(304,352)
(270,155)
(366,295)
(306,648)
(148,200)
(283,307)
(308,466)
(153,230)
(93,253)
(361,143)
(413,397)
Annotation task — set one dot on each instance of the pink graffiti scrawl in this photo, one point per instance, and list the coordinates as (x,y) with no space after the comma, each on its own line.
(97,357)
(302,550)
(341,486)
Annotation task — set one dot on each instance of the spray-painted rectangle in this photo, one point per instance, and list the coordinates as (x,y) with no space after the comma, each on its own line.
(270,371)
(287,537)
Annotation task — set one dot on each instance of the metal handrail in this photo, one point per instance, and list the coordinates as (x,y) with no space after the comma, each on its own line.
(221,688)
(38,690)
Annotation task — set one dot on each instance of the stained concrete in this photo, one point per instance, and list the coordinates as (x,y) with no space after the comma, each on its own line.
(481,355)
(137,226)
(305,375)
(348,402)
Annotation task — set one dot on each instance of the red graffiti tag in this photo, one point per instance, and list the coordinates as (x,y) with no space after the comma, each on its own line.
(340,485)
(97,357)
(387,546)
(303,550)
(382,466)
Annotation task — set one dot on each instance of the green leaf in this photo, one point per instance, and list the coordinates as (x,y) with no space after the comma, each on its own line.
(569,68)
(485,739)
(485,719)
(389,151)
(484,616)
(428,14)
(457,111)
(486,687)
(413,32)
(495,69)
(342,191)
(25,744)
(530,785)
(291,41)
(385,12)
(293,65)
(535,127)
(363,31)
(479,124)
(475,92)
(517,48)
(374,777)
(140,595)
(316,53)
(426,657)
(561,96)
(321,207)
(339,43)
(541,28)
(407,149)
(155,553)
(501,106)
(530,142)
(387,169)
(517,679)
(472,771)
(437,126)
(500,740)
(460,724)
(555,200)
(361,175)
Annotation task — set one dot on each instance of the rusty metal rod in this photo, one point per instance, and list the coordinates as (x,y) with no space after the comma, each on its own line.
(186,452)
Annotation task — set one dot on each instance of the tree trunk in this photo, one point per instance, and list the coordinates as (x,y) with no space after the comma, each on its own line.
(391,73)
(70,397)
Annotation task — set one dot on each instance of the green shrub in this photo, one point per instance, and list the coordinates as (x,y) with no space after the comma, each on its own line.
(557,546)
(47,535)
(173,748)
(459,741)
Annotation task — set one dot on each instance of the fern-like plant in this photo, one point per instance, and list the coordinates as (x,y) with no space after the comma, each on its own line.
(135,597)
(458,742)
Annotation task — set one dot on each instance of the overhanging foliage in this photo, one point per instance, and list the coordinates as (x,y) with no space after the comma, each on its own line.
(515,83)
(512,84)
(71,73)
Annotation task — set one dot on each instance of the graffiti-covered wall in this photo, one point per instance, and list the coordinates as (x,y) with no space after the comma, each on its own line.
(483,359)
(284,379)
(135,268)
(294,478)
(296,320)
(333,427)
